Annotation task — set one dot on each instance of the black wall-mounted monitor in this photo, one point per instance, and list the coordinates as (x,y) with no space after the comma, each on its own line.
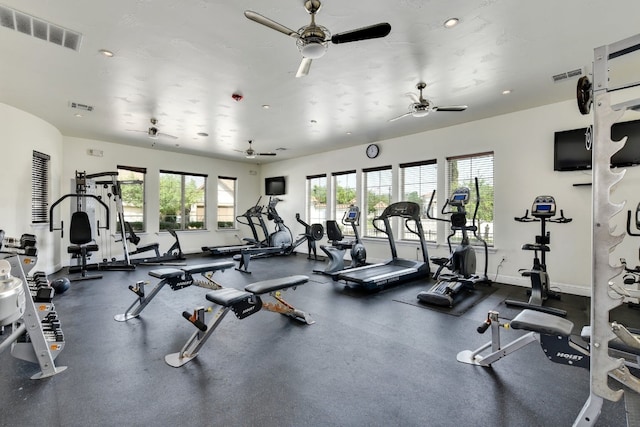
(275,186)
(570,152)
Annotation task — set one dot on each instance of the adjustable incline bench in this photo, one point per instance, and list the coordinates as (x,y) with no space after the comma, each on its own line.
(243,304)
(176,279)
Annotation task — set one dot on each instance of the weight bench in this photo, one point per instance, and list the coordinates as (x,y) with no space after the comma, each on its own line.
(243,304)
(176,279)
(552,332)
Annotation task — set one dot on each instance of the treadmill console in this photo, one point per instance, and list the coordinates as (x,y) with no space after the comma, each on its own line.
(402,209)
(543,207)
(460,197)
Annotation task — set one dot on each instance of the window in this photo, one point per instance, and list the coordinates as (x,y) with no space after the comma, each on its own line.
(462,171)
(40,187)
(418,181)
(226,202)
(182,201)
(378,183)
(131,180)
(344,193)
(317,199)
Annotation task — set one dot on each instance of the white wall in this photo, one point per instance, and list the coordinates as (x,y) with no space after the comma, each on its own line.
(522,143)
(21,133)
(248,187)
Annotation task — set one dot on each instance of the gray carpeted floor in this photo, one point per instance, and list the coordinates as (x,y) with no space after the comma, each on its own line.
(369,360)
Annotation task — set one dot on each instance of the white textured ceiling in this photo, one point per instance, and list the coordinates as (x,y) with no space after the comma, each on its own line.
(181,61)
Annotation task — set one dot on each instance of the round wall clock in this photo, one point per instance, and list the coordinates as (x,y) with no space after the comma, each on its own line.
(372,151)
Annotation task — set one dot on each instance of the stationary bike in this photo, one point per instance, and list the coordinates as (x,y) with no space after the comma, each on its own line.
(462,261)
(339,246)
(542,211)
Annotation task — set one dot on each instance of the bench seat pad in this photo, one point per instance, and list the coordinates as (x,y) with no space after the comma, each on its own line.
(265,286)
(166,273)
(211,266)
(227,296)
(544,323)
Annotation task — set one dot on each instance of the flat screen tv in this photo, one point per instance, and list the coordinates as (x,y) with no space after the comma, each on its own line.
(274,186)
(570,152)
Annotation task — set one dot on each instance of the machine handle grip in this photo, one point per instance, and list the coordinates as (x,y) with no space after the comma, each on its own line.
(191,318)
(483,328)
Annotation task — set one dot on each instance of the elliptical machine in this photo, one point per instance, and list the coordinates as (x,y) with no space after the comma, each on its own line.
(542,211)
(280,242)
(339,246)
(462,261)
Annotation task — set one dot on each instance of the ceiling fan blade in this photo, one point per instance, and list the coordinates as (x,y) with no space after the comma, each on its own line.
(365,33)
(266,154)
(256,17)
(451,108)
(304,67)
(399,117)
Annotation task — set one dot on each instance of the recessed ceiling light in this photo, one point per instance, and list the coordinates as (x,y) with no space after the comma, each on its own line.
(451,22)
(106,53)
(348,133)
(506,91)
(203,134)
(266,106)
(78,115)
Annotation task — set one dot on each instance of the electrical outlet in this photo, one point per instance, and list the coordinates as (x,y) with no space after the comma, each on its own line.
(504,258)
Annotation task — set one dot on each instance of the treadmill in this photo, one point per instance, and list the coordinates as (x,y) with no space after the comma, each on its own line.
(396,270)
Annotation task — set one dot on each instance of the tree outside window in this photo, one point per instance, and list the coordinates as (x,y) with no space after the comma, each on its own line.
(182,201)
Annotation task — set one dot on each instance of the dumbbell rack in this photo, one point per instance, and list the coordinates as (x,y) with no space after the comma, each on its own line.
(37,337)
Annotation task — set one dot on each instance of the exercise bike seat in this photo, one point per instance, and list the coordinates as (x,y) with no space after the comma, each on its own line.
(535,247)
(543,323)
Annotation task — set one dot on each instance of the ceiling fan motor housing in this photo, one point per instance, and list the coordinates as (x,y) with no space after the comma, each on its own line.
(313,41)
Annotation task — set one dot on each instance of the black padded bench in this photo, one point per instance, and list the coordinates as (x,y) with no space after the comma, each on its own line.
(176,278)
(542,323)
(243,303)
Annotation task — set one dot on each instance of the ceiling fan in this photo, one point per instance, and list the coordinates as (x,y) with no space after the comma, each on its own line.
(153,131)
(250,153)
(312,40)
(422,107)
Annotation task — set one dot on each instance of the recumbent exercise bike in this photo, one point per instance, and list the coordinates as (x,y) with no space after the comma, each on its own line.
(335,252)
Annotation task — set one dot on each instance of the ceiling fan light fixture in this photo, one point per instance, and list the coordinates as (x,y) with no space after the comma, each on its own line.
(420,113)
(313,49)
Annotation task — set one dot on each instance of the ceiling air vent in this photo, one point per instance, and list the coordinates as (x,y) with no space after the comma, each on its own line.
(567,75)
(38,28)
(79,106)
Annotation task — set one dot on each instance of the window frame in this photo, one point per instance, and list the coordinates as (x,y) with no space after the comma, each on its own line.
(430,226)
(181,224)
(338,212)
(122,184)
(485,227)
(316,214)
(234,207)
(40,191)
(367,225)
